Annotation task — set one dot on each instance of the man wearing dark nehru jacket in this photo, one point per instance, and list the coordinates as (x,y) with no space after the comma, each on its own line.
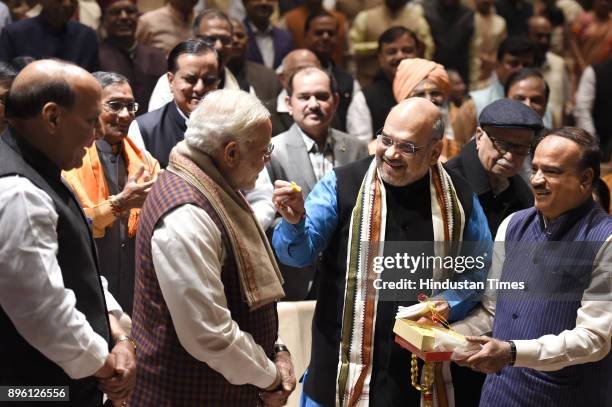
(549,343)
(491,164)
(403,194)
(57,320)
(492,160)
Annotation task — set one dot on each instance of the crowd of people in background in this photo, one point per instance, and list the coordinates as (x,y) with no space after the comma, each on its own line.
(203,159)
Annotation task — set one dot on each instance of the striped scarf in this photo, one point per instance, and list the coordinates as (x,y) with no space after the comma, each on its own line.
(368,223)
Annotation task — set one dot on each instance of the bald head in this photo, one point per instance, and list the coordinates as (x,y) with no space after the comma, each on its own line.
(296,60)
(419,111)
(47,81)
(409,144)
(55,105)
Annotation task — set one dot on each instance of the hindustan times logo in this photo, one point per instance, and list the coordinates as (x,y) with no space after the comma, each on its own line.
(413,263)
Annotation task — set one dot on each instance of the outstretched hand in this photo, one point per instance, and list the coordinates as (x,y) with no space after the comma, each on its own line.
(493,356)
(288,201)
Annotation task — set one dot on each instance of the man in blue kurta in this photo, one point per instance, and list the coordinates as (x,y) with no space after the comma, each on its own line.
(552,337)
(403,194)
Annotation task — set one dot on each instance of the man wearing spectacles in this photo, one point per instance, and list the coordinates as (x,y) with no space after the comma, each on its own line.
(492,161)
(112,185)
(193,72)
(215,29)
(397,195)
(193,68)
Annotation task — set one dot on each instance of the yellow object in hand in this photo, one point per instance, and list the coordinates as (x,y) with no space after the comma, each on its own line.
(295,187)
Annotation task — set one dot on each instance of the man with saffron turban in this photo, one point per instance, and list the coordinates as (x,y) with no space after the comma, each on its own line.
(418,77)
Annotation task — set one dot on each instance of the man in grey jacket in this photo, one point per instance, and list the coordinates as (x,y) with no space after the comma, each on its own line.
(309,149)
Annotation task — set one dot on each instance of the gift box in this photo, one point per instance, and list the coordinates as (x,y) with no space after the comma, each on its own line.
(431,343)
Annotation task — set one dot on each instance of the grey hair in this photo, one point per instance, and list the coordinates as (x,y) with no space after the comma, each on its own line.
(437,129)
(222,116)
(106,79)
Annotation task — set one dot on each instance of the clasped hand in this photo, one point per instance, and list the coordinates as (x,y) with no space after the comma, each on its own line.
(277,398)
(117,377)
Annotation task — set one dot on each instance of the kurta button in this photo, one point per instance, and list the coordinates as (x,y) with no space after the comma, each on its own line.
(535,260)
(123,245)
(514,316)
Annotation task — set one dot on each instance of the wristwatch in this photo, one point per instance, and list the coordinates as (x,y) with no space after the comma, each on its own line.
(279,347)
(122,338)
(512,353)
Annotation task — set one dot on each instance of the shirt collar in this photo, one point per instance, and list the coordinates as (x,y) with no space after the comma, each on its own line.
(311,145)
(106,147)
(40,162)
(183,115)
(281,105)
(557,228)
(267,31)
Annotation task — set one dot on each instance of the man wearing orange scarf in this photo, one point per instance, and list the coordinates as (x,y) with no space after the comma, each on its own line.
(112,185)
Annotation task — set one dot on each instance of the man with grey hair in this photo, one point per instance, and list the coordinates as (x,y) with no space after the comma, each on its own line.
(402,194)
(207,282)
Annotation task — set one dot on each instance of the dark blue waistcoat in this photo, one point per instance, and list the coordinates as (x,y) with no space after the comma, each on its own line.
(555,263)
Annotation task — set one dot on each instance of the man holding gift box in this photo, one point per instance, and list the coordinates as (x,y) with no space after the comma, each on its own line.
(403,194)
(551,341)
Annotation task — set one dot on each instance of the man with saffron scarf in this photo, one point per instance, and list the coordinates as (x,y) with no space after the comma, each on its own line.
(403,194)
(112,185)
(416,77)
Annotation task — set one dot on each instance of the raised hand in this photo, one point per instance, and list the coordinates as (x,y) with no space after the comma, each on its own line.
(288,200)
(135,193)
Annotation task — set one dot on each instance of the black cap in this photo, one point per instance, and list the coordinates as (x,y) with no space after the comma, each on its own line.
(510,114)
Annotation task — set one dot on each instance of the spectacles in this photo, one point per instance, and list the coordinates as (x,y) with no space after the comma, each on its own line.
(212,39)
(130,11)
(117,106)
(504,147)
(405,147)
(268,153)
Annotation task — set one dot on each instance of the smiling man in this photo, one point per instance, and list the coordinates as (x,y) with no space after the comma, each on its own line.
(552,340)
(193,71)
(310,148)
(394,196)
(57,319)
(207,282)
(112,185)
(492,161)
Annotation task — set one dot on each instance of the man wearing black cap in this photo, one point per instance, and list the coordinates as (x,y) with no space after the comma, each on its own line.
(491,162)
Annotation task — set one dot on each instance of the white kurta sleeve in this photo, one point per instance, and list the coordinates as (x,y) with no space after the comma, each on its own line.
(188,254)
(32,291)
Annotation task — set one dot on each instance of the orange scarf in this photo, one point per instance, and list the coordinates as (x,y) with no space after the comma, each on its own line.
(89,182)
